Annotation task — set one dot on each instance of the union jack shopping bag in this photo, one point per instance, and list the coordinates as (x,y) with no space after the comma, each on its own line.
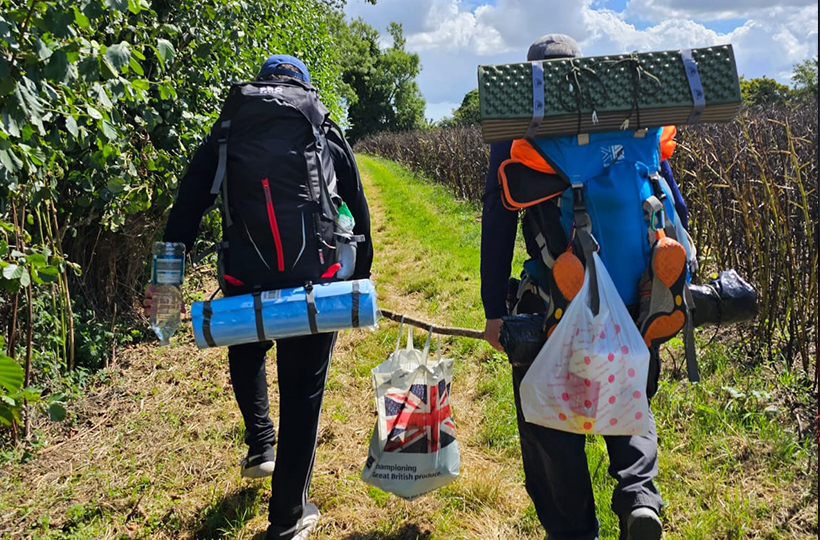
(413,449)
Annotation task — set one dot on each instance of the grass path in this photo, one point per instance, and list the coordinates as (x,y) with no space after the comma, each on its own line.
(152,450)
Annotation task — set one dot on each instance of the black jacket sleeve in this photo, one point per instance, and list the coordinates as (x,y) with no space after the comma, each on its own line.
(350,189)
(498,229)
(193,198)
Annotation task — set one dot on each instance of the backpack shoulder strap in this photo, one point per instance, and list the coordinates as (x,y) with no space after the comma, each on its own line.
(220,133)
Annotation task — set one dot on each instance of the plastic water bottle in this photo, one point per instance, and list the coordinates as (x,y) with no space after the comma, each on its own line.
(345,245)
(167,269)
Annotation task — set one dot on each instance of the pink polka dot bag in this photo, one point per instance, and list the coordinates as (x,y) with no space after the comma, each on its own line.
(590,376)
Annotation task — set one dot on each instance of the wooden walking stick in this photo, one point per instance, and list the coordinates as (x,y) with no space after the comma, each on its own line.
(443,330)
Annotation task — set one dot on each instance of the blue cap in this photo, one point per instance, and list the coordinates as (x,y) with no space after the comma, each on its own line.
(271,67)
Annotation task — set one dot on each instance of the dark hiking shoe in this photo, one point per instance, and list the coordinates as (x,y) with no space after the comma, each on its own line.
(259,465)
(643,524)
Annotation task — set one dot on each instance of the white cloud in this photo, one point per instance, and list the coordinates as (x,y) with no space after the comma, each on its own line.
(437,111)
(453,37)
(708,10)
(453,29)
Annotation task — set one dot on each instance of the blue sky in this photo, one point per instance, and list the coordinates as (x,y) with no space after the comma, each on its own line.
(452,37)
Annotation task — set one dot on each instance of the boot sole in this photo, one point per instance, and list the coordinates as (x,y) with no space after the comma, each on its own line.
(668,261)
(568,273)
(664,327)
(263,470)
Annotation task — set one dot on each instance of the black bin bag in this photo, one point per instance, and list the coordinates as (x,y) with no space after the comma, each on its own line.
(726,300)
(522,337)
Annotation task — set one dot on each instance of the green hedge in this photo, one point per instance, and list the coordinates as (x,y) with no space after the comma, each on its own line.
(102,104)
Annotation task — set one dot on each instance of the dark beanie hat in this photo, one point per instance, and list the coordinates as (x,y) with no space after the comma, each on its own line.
(273,66)
(553,46)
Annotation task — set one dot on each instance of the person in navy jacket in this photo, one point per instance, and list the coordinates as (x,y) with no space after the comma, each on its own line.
(555,465)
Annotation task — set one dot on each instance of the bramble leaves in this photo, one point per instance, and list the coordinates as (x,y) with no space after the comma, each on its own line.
(98,118)
(165,51)
(119,5)
(11,374)
(119,55)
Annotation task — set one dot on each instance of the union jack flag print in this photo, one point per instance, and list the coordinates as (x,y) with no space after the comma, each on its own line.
(420,421)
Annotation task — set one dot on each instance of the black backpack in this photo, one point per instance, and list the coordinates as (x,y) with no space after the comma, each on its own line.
(278,187)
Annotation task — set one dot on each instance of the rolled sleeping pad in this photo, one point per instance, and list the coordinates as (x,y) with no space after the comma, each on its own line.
(299,311)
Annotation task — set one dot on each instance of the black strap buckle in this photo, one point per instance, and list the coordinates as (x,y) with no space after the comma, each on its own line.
(312,310)
(578,200)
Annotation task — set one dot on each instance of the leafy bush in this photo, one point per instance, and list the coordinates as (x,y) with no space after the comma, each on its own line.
(102,102)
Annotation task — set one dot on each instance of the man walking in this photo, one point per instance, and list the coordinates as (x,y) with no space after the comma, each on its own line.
(282,169)
(555,465)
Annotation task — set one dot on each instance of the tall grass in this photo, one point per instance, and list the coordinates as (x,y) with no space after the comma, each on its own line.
(752,189)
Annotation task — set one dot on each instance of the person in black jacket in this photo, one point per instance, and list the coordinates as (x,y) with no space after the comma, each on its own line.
(555,464)
(302,362)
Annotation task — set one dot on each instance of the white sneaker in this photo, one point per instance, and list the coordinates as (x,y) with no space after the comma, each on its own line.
(258,466)
(310,517)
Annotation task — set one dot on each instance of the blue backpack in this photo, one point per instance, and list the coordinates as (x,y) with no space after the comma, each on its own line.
(611,198)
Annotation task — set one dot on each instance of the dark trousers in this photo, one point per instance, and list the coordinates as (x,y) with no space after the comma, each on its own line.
(557,475)
(302,365)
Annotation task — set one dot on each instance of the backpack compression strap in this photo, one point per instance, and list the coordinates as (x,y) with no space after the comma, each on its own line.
(689,337)
(583,230)
(221,169)
(222,165)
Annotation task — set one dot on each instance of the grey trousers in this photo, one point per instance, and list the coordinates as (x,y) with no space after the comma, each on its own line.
(557,475)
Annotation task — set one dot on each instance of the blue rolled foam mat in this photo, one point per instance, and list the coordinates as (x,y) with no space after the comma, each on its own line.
(233,320)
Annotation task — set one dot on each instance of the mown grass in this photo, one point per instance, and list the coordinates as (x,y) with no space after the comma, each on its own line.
(153,449)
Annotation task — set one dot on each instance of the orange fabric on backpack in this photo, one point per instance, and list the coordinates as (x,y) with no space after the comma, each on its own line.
(523,152)
(668,143)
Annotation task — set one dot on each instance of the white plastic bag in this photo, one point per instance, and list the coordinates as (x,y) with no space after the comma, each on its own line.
(413,449)
(590,376)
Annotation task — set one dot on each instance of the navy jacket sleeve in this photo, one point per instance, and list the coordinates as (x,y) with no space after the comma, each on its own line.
(193,198)
(680,204)
(350,190)
(498,230)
